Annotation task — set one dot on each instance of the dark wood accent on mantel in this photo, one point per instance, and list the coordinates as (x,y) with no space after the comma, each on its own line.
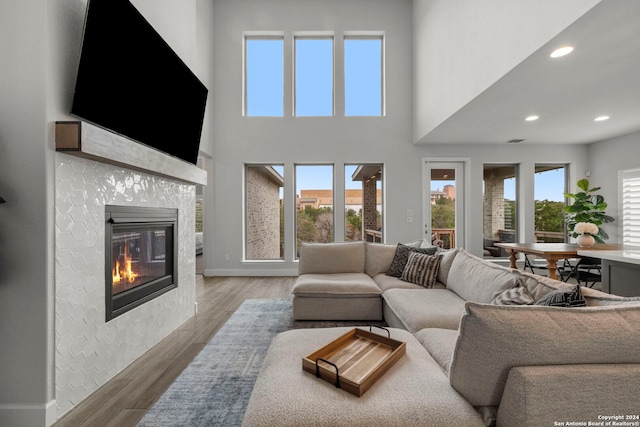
(82,139)
(68,136)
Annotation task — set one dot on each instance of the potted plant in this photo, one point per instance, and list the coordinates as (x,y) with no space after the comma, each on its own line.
(588,208)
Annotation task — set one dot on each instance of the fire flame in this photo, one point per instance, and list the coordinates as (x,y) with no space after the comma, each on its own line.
(126,273)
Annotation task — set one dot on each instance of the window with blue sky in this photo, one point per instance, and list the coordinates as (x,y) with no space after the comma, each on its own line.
(363,76)
(313,76)
(264,76)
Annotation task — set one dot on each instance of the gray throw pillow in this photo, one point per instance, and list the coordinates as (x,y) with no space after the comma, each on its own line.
(421,269)
(402,256)
(514,296)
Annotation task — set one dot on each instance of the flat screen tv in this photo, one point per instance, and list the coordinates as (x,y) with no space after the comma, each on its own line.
(131,82)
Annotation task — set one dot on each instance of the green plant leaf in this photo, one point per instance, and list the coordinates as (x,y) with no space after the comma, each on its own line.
(583,184)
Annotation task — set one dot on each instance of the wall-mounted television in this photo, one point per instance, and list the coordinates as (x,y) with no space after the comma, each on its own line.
(131,82)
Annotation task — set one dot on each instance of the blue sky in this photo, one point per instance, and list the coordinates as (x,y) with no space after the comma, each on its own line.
(549,185)
(314,77)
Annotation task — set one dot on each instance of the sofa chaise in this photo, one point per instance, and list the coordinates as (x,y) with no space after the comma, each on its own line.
(486,345)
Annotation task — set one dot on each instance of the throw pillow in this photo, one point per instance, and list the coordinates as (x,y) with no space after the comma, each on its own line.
(564,298)
(421,269)
(514,296)
(402,256)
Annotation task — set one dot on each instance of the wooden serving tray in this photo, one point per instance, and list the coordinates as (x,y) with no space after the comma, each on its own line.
(355,360)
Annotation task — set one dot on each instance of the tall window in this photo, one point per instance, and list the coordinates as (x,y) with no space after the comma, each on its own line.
(264,76)
(549,188)
(363,202)
(313,76)
(314,204)
(264,212)
(363,76)
(629,182)
(499,207)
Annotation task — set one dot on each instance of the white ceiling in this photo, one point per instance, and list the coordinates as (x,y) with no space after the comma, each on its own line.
(600,77)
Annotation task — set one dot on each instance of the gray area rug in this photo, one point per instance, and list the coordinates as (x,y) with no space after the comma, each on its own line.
(214,389)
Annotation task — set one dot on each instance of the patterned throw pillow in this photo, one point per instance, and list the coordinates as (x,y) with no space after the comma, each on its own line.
(421,269)
(564,298)
(514,296)
(402,256)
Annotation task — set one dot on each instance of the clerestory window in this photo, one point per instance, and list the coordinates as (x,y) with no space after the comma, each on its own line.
(264,76)
(313,81)
(313,76)
(363,76)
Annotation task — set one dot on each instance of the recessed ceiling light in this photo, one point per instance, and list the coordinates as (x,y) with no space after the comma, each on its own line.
(532,118)
(601,118)
(514,141)
(562,51)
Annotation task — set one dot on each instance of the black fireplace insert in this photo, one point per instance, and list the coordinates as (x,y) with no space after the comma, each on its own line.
(140,256)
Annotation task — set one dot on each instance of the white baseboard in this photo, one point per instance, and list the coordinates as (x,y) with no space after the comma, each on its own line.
(269,272)
(16,415)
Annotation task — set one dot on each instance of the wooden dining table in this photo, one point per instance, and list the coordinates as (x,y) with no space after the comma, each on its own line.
(551,252)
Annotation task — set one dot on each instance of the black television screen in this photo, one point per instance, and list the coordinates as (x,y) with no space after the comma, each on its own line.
(131,82)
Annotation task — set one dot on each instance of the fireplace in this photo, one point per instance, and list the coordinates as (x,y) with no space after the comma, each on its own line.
(140,256)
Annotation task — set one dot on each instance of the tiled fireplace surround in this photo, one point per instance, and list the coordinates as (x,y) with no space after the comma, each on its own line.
(90,351)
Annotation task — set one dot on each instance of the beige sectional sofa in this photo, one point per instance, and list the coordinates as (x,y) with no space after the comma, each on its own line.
(515,365)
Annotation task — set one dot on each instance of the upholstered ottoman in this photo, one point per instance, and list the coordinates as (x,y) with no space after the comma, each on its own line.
(414,392)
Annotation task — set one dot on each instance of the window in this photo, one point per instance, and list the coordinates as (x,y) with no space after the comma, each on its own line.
(313,76)
(630,196)
(499,207)
(264,76)
(363,76)
(264,212)
(314,204)
(549,188)
(363,202)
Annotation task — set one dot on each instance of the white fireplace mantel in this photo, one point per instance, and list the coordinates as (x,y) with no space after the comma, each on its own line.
(85,140)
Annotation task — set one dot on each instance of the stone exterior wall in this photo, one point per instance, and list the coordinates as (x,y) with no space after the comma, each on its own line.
(493,202)
(369,205)
(263,215)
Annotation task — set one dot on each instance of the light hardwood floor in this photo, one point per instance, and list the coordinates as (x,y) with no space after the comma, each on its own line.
(124,400)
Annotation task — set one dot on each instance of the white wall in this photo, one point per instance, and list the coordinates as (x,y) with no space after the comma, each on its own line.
(606,159)
(334,140)
(204,66)
(26,220)
(462,47)
(39,51)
